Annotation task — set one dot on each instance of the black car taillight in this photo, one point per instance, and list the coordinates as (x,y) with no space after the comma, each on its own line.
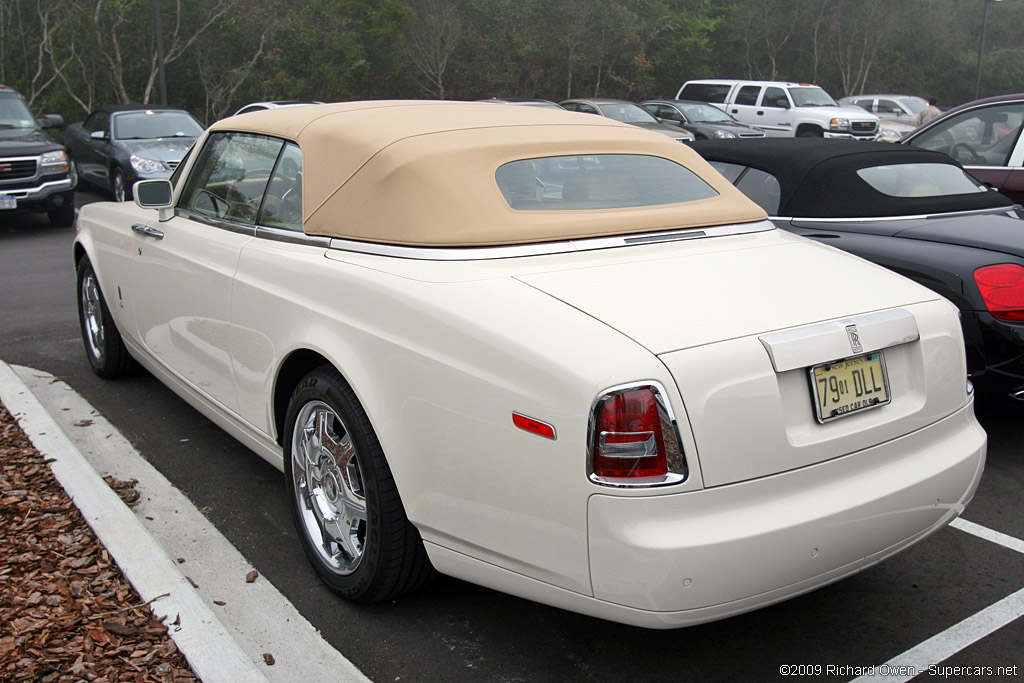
(1002,289)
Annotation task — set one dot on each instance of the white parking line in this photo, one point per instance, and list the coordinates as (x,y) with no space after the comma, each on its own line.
(938,648)
(988,534)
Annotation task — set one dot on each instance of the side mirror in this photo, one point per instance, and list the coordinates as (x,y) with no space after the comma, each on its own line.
(155,194)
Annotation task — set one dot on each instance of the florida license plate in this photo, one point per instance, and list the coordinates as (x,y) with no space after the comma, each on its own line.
(849,386)
(8,201)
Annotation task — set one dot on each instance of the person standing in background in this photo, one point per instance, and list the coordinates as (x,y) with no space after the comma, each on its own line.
(928,113)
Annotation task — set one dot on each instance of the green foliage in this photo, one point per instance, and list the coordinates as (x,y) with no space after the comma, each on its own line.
(68,56)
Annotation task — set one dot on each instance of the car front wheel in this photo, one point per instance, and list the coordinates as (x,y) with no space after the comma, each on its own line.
(103,344)
(345,503)
(119,186)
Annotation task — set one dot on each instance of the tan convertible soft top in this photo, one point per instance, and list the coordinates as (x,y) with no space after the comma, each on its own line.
(422,173)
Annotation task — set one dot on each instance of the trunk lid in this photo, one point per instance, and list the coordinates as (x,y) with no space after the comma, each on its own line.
(741,321)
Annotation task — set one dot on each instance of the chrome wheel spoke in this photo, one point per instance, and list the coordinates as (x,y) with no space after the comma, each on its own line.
(93,315)
(328,486)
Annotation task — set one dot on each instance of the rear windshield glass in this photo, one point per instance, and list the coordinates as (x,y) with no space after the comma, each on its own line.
(920,180)
(598,181)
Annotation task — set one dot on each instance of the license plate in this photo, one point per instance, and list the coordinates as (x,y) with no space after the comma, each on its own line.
(8,201)
(849,386)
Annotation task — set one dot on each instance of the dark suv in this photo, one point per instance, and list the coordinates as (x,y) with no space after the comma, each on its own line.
(34,173)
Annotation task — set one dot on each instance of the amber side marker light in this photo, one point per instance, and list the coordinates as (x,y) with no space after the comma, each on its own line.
(1002,289)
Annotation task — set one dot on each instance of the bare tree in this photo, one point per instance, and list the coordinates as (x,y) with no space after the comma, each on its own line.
(434,29)
(36,37)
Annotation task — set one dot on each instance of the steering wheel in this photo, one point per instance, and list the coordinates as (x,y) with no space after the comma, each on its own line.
(965,154)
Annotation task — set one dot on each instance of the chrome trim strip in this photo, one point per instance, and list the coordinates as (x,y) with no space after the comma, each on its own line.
(675,476)
(876,219)
(543,248)
(804,347)
(292,237)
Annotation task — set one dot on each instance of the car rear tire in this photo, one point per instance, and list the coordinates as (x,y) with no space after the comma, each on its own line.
(119,186)
(344,500)
(103,344)
(63,217)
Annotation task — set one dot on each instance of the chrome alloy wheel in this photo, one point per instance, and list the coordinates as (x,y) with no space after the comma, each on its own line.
(92,316)
(328,487)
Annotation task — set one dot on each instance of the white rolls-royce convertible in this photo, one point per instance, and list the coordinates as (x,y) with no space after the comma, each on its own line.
(544,352)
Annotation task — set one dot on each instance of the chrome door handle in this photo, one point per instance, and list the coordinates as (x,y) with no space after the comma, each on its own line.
(147,231)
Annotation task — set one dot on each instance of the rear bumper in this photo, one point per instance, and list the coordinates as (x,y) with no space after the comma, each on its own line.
(674,560)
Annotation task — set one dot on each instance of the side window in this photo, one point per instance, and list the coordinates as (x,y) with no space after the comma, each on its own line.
(763,188)
(748,95)
(230,176)
(888,107)
(979,137)
(775,97)
(282,206)
(705,92)
(669,113)
(865,104)
(586,108)
(98,121)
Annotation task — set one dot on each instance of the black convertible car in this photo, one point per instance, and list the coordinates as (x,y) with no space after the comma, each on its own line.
(120,144)
(914,211)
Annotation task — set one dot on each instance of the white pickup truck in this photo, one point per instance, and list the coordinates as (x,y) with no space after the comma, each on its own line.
(784,109)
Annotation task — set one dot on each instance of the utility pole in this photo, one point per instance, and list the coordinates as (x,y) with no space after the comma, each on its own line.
(160,53)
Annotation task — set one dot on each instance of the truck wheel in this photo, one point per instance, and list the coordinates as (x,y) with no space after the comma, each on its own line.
(64,217)
(810,132)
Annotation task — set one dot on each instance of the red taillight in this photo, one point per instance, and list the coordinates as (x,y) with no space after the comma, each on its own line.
(634,438)
(1002,289)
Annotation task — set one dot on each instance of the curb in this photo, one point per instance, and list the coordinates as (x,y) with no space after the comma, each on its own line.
(211,651)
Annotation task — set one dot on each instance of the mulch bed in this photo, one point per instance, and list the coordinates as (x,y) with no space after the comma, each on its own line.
(66,611)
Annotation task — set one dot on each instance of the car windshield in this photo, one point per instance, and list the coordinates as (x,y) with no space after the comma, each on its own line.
(705,113)
(920,180)
(14,113)
(811,96)
(598,181)
(627,113)
(146,125)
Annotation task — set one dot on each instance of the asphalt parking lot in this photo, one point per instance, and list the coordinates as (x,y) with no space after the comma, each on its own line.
(949,607)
